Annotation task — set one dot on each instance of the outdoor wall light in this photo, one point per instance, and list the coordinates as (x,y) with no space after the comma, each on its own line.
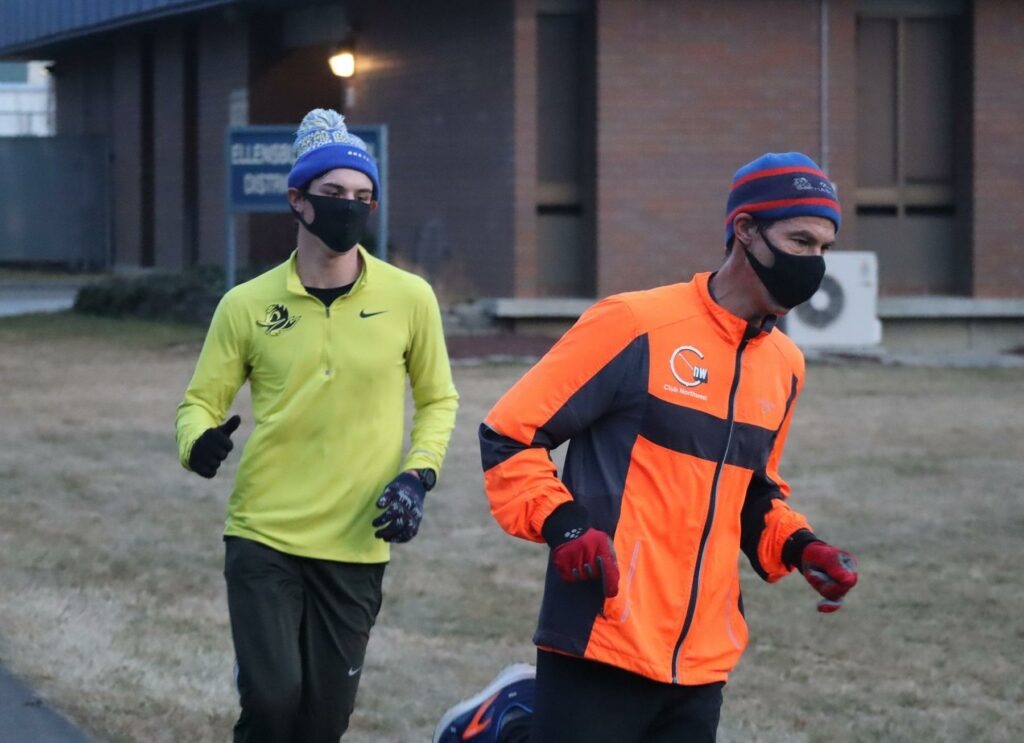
(343,62)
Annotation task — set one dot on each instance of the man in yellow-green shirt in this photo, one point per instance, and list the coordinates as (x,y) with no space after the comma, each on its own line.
(326,341)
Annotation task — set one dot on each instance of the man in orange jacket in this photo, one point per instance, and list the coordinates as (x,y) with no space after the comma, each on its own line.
(676,402)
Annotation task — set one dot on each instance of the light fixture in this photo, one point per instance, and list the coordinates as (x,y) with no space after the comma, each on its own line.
(343,61)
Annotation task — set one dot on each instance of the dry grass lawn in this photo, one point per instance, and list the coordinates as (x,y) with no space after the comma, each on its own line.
(112,602)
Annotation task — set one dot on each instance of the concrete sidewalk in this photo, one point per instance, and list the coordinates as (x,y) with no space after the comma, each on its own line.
(24,718)
(27,299)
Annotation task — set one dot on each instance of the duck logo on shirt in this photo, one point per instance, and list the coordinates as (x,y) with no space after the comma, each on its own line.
(277,319)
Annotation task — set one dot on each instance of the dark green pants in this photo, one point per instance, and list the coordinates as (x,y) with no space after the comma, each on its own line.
(300,628)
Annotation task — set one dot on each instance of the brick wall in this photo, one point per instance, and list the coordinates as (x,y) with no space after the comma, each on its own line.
(83,87)
(439,74)
(170,249)
(98,93)
(688,92)
(842,114)
(126,145)
(527,279)
(998,149)
(222,67)
(285,83)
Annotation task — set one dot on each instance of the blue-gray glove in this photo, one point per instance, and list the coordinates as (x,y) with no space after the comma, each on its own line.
(402,501)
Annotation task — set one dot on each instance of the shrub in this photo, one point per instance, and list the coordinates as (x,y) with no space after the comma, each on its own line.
(188,297)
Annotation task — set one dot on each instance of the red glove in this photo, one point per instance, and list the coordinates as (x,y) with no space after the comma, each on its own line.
(589,556)
(830,571)
(578,551)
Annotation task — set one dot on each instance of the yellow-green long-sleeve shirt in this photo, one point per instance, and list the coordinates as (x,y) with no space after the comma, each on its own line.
(328,398)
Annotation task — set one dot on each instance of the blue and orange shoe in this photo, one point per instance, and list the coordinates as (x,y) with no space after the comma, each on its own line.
(479,718)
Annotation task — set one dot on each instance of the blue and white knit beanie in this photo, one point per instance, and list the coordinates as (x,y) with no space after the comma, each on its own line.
(324,143)
(781,186)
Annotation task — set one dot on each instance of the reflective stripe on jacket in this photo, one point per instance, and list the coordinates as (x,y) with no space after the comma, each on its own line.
(676,413)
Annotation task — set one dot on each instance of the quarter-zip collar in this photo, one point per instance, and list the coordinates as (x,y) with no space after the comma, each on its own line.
(732,328)
(294,283)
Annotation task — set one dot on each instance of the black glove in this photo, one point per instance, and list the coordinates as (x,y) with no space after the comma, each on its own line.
(212,448)
(402,501)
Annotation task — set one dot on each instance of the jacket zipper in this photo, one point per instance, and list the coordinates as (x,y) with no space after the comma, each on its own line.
(695,586)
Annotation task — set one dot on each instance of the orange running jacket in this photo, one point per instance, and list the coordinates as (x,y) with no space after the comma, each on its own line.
(676,412)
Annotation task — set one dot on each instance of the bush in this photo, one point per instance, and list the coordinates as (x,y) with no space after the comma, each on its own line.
(188,297)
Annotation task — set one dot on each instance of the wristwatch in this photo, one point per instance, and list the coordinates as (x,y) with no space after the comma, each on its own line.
(428,477)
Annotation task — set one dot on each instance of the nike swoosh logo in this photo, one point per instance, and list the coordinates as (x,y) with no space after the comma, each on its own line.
(477,725)
(364,313)
(354,671)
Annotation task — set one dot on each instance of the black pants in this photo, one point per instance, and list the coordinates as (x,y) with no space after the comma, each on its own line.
(579,701)
(300,628)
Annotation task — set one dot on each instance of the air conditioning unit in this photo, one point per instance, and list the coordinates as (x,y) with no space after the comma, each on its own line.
(843,313)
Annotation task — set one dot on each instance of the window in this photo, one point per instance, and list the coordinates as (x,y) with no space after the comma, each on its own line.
(913,109)
(566,148)
(13,72)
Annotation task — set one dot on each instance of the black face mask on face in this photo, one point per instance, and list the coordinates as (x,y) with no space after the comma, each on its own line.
(339,223)
(793,279)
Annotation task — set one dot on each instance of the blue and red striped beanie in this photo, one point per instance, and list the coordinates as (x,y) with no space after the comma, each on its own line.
(781,185)
(324,143)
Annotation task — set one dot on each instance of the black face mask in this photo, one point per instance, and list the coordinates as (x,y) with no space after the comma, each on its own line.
(793,279)
(339,223)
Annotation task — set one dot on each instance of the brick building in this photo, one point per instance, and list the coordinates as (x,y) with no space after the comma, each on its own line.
(552,148)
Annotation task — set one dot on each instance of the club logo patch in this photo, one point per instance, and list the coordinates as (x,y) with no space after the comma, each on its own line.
(685,365)
(801,183)
(277,319)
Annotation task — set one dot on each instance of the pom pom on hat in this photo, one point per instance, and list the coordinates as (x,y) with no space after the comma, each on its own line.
(781,186)
(323,143)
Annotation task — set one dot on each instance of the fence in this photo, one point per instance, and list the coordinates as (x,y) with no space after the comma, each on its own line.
(54,201)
